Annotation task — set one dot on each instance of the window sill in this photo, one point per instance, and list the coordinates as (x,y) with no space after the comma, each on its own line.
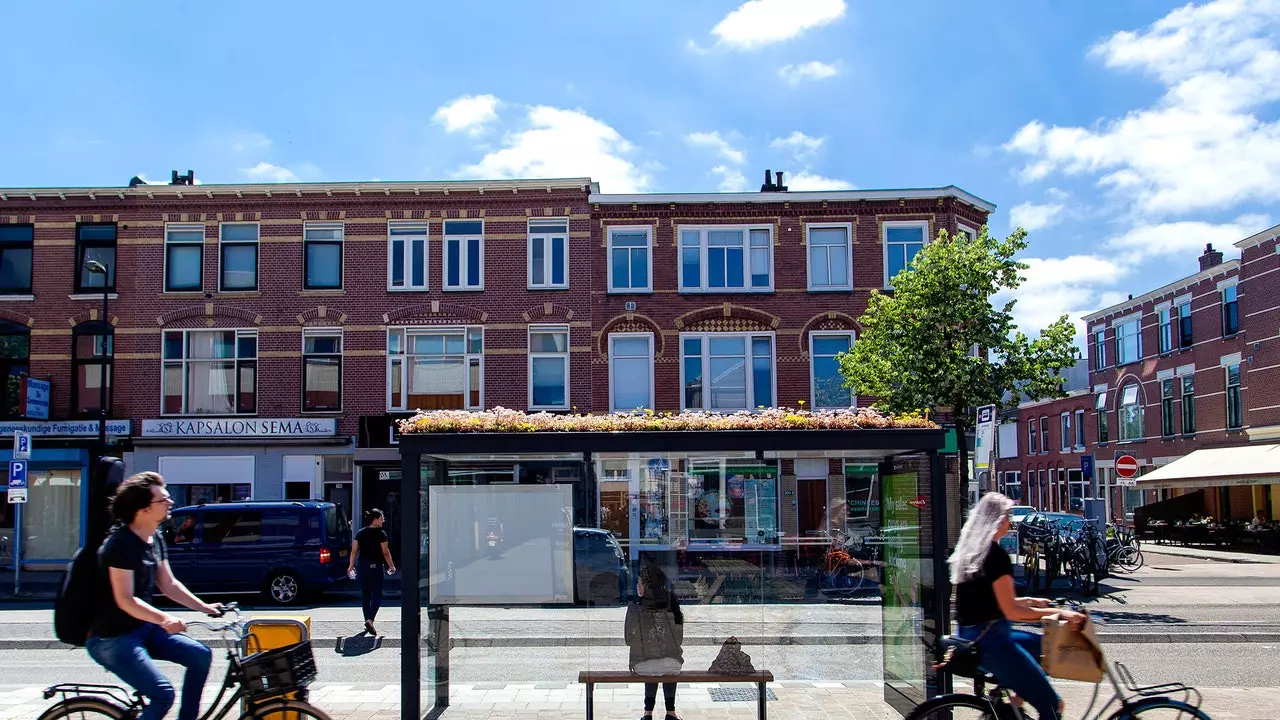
(535,288)
(321,413)
(464,289)
(180,293)
(240,293)
(21,298)
(843,289)
(628,291)
(726,291)
(322,292)
(1188,436)
(1232,336)
(408,289)
(534,408)
(92,296)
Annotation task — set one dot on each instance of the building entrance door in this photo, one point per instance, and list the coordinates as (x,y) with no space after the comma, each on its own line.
(811,511)
(340,494)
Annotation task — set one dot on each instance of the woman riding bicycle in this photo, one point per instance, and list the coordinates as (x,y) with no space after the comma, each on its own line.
(986,607)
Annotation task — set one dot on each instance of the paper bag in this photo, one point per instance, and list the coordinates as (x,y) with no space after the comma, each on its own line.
(1070,654)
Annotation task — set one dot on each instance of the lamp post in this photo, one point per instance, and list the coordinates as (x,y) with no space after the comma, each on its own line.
(96,268)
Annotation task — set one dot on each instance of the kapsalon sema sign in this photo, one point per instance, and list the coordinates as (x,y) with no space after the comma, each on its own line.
(247,427)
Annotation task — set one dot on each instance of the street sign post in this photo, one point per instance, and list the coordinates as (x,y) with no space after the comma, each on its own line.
(21,445)
(1126,471)
(18,498)
(17,481)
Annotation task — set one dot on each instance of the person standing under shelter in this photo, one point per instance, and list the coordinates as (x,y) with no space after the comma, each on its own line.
(370,559)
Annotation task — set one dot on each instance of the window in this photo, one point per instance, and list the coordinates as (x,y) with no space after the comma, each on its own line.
(321,370)
(1077,489)
(548,367)
(719,259)
(96,242)
(726,371)
(1013,485)
(1188,404)
(183,258)
(548,253)
(1032,443)
(1099,349)
(902,240)
(1166,408)
(1166,330)
(1128,342)
(1130,413)
(827,389)
(1101,406)
(407,256)
(1064,431)
(15,359)
(91,359)
(1185,336)
(1044,434)
(210,372)
(435,368)
(1235,414)
(966,232)
(630,269)
(630,372)
(15,259)
(322,256)
(239,254)
(1230,311)
(463,254)
(1080,429)
(830,256)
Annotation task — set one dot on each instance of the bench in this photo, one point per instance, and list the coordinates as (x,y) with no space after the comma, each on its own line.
(591,678)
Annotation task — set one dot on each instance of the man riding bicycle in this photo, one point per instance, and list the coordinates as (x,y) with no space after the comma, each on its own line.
(128,632)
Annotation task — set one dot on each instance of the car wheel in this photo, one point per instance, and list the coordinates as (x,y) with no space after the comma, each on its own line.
(284,588)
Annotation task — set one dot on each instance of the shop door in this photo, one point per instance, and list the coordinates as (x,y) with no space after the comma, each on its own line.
(340,494)
(380,488)
(811,509)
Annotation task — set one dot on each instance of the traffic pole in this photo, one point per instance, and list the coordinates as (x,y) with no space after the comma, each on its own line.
(17,548)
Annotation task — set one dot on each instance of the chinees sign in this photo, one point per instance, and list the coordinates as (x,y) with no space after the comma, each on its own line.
(247,427)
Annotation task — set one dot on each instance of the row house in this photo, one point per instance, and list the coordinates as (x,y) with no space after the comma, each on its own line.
(266,337)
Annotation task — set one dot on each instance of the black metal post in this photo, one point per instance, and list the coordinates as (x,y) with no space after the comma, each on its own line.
(107,340)
(410,606)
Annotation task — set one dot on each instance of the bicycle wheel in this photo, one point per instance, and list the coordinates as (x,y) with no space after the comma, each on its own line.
(86,708)
(292,709)
(1160,709)
(954,707)
(1130,558)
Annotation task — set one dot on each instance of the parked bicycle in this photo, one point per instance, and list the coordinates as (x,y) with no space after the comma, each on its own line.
(264,680)
(1123,549)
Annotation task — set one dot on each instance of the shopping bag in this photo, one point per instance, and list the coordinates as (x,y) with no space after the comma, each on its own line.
(1070,654)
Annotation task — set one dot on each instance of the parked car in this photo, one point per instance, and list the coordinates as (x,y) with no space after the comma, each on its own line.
(283,549)
(1067,523)
(1017,514)
(601,573)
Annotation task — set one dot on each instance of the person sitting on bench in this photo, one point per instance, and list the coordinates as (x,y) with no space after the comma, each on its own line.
(655,632)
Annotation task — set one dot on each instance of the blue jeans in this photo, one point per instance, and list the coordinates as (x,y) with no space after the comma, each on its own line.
(371,575)
(1013,656)
(130,657)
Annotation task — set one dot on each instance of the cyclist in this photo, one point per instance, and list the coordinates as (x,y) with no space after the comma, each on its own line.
(128,632)
(986,607)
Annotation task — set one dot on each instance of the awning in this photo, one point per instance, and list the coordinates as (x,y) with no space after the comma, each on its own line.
(1218,467)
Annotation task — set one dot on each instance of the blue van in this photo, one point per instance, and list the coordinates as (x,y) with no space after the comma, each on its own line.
(283,549)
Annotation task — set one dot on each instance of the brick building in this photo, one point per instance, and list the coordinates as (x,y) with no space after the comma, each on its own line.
(1182,367)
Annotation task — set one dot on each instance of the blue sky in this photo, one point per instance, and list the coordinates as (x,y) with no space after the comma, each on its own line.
(1124,134)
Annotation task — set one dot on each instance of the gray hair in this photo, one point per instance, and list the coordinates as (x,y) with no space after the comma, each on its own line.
(976,536)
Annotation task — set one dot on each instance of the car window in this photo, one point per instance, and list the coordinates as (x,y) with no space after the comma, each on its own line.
(179,529)
(281,526)
(233,527)
(335,524)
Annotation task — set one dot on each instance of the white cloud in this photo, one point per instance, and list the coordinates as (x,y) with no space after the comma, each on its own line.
(245,141)
(469,112)
(1201,145)
(731,178)
(1073,286)
(564,143)
(801,146)
(713,141)
(805,180)
(756,23)
(266,172)
(1032,216)
(1185,238)
(812,70)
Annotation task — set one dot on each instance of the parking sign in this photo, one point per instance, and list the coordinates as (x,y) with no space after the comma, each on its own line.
(17,481)
(21,445)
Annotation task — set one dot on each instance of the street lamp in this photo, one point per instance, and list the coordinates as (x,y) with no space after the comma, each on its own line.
(93,267)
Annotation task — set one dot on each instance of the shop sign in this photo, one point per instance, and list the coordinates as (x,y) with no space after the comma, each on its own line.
(247,427)
(64,428)
(37,398)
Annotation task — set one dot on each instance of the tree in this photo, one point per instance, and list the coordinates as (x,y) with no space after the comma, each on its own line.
(916,351)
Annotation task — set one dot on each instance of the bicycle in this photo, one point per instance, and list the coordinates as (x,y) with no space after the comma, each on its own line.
(1123,549)
(262,680)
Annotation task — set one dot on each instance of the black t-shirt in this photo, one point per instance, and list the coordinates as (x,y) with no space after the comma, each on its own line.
(125,550)
(370,541)
(976,597)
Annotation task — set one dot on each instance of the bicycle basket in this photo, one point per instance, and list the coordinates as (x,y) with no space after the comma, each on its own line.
(279,671)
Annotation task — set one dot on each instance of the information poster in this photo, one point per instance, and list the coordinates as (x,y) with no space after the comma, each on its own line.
(904,651)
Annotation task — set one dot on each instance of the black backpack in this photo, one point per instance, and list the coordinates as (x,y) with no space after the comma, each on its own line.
(76,603)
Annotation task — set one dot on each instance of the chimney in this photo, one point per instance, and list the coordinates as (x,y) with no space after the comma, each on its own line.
(779,186)
(768,185)
(1210,258)
(134,182)
(188,179)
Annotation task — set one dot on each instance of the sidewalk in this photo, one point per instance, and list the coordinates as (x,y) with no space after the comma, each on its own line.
(1199,553)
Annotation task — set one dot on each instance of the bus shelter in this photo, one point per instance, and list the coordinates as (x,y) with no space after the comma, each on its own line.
(799,542)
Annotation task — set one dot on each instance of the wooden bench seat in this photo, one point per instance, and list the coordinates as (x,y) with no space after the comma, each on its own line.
(591,678)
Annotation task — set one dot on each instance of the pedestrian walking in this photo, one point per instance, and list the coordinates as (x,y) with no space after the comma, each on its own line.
(370,560)
(654,630)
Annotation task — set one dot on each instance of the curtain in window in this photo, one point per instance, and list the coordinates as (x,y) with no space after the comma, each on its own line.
(51,519)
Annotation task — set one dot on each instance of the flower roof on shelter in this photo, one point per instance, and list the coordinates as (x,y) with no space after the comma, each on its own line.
(502,420)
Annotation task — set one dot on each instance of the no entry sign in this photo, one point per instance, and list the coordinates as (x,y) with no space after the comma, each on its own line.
(1126,466)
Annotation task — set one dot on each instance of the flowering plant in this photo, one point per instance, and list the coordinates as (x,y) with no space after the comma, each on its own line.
(502,420)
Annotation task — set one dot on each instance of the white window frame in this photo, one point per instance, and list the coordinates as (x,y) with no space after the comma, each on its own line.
(257,254)
(706,338)
(1226,394)
(848,258)
(1136,322)
(403,356)
(704,266)
(1033,437)
(648,336)
(341,355)
(1164,329)
(647,230)
(1044,434)
(1065,430)
(885,226)
(1121,404)
(813,377)
(963,228)
(538,230)
(565,356)
(464,257)
(1099,348)
(406,259)
(1006,482)
(235,360)
(182,227)
(1080,438)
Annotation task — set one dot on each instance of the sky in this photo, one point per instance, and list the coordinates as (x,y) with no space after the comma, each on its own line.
(1122,135)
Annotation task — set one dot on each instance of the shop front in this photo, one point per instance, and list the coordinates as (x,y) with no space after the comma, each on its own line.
(507,519)
(230,459)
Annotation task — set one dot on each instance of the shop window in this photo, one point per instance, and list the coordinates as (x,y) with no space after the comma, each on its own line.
(862,498)
(208,493)
(95,242)
(210,372)
(548,367)
(321,370)
(726,371)
(92,356)
(435,368)
(827,388)
(15,358)
(630,372)
(732,504)
(51,518)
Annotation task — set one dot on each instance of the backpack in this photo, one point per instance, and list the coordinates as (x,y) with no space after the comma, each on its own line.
(74,607)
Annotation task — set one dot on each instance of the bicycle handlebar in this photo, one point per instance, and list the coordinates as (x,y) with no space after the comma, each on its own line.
(236,624)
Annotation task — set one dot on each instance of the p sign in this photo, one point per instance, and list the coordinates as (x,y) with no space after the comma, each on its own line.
(21,446)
